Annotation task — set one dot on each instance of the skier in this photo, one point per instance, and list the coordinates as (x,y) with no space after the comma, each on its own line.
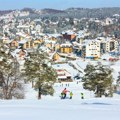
(82,96)
(65,93)
(62,95)
(71,94)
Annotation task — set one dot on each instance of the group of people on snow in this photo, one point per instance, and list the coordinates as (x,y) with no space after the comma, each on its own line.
(64,94)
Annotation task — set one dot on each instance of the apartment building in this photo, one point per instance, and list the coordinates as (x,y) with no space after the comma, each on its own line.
(91,49)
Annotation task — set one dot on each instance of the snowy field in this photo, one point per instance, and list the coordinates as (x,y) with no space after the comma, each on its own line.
(89,109)
(53,108)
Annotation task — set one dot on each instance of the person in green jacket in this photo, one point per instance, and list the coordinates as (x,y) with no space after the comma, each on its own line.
(71,94)
(62,95)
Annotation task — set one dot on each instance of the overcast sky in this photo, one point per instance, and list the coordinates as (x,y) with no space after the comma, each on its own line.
(57,4)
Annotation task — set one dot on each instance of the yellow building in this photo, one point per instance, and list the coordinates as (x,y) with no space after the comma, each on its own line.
(66,48)
(50,44)
(53,38)
(27,43)
(37,42)
(56,56)
(57,47)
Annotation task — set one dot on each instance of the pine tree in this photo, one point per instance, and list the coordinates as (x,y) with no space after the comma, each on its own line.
(118,80)
(38,71)
(99,79)
(10,82)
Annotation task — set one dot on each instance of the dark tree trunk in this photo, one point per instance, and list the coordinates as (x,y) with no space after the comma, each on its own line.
(98,92)
(39,93)
(32,84)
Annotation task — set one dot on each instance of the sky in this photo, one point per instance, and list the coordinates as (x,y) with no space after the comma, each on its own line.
(57,4)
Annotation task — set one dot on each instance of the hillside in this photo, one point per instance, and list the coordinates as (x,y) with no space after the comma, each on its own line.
(2,12)
(73,12)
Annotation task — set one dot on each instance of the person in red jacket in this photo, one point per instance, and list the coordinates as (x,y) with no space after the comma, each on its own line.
(65,92)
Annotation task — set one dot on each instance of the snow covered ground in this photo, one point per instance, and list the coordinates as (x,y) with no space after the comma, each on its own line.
(89,109)
(53,108)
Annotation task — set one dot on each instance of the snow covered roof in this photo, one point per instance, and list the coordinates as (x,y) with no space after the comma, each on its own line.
(23,26)
(23,41)
(69,32)
(63,73)
(66,44)
(21,34)
(52,54)
(54,35)
(49,41)
(88,41)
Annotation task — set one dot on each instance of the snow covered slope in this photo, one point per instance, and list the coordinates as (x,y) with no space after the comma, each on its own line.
(53,108)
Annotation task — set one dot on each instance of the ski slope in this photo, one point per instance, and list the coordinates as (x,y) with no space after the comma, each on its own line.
(53,108)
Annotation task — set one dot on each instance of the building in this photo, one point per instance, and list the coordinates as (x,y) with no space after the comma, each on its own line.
(56,56)
(63,75)
(69,35)
(108,45)
(66,48)
(91,49)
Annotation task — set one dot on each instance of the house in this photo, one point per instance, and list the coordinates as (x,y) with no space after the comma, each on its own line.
(63,75)
(69,35)
(55,56)
(36,42)
(57,47)
(55,37)
(52,37)
(50,44)
(80,36)
(13,44)
(77,48)
(24,44)
(66,48)
(22,36)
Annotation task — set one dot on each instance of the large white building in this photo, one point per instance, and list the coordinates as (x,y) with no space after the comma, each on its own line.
(91,49)
(108,44)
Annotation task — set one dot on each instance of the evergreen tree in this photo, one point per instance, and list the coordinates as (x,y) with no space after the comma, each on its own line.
(99,79)
(10,82)
(118,80)
(38,70)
